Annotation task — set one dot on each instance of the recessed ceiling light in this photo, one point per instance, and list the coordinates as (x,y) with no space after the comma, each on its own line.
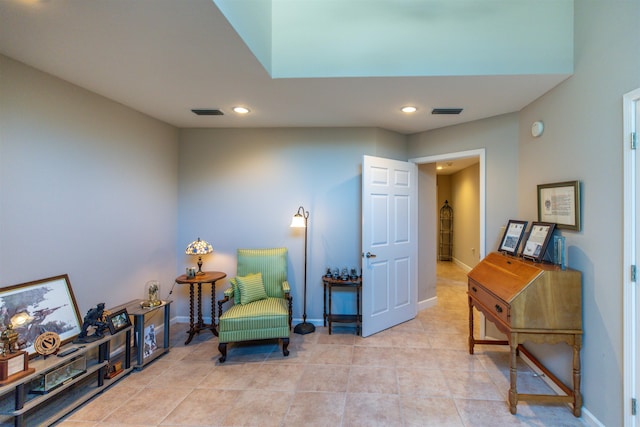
(409,109)
(241,110)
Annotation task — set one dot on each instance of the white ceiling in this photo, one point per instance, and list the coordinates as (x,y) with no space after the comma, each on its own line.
(165,57)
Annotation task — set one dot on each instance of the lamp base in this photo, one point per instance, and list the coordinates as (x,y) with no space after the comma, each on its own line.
(304,328)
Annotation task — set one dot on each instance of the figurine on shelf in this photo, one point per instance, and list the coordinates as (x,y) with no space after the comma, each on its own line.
(152,289)
(95,319)
(9,339)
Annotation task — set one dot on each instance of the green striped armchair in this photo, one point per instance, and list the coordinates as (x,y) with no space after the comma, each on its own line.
(260,304)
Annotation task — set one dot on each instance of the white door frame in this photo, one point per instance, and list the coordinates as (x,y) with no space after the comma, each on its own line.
(460,155)
(629,292)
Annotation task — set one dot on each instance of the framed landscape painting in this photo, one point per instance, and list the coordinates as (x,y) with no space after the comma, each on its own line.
(46,305)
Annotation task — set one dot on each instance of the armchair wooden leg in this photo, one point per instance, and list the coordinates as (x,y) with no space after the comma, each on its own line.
(285,345)
(222,348)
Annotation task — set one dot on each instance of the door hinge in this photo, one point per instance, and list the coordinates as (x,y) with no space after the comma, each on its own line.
(634,406)
(633,273)
(634,140)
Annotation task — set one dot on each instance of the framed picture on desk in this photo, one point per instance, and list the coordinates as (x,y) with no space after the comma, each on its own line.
(512,236)
(538,240)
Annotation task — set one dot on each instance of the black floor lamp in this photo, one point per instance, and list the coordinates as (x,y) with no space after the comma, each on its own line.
(301,220)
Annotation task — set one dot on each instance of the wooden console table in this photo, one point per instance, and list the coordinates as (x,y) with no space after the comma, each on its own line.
(208,277)
(535,302)
(330,283)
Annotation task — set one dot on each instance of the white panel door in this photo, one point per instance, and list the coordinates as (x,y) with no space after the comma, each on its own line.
(389,243)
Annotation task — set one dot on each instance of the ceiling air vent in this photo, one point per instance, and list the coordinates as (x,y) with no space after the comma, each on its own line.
(446,111)
(208,112)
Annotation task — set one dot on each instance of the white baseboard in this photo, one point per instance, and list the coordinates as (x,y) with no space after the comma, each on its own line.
(427,303)
(462,265)
(588,418)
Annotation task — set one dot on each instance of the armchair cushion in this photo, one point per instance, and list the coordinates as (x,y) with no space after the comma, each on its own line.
(251,288)
(263,319)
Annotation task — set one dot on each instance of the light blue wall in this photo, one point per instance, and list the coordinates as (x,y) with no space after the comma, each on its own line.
(319,38)
(88,188)
(239,188)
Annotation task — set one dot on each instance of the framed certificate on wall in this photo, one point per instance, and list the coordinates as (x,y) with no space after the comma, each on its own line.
(560,203)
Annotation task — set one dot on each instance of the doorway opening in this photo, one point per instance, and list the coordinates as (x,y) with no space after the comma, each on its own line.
(430,205)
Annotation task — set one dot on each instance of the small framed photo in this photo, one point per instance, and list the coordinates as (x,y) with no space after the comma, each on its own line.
(560,203)
(538,240)
(118,321)
(512,236)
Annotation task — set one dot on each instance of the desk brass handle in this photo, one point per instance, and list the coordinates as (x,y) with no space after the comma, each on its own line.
(498,308)
(473,288)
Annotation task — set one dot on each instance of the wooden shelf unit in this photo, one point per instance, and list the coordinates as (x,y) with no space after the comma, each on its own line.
(20,407)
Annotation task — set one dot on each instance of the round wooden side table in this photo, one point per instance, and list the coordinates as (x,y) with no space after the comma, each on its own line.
(195,284)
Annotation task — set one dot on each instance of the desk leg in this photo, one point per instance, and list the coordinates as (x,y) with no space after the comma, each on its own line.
(471,339)
(513,374)
(191,316)
(577,397)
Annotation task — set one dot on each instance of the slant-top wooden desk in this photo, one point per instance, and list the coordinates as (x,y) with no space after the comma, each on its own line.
(535,302)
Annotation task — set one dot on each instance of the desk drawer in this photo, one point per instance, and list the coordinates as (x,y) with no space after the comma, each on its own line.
(495,305)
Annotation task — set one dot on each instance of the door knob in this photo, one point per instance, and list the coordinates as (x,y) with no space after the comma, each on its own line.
(370,255)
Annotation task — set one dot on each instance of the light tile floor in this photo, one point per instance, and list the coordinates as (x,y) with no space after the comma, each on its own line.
(418,373)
